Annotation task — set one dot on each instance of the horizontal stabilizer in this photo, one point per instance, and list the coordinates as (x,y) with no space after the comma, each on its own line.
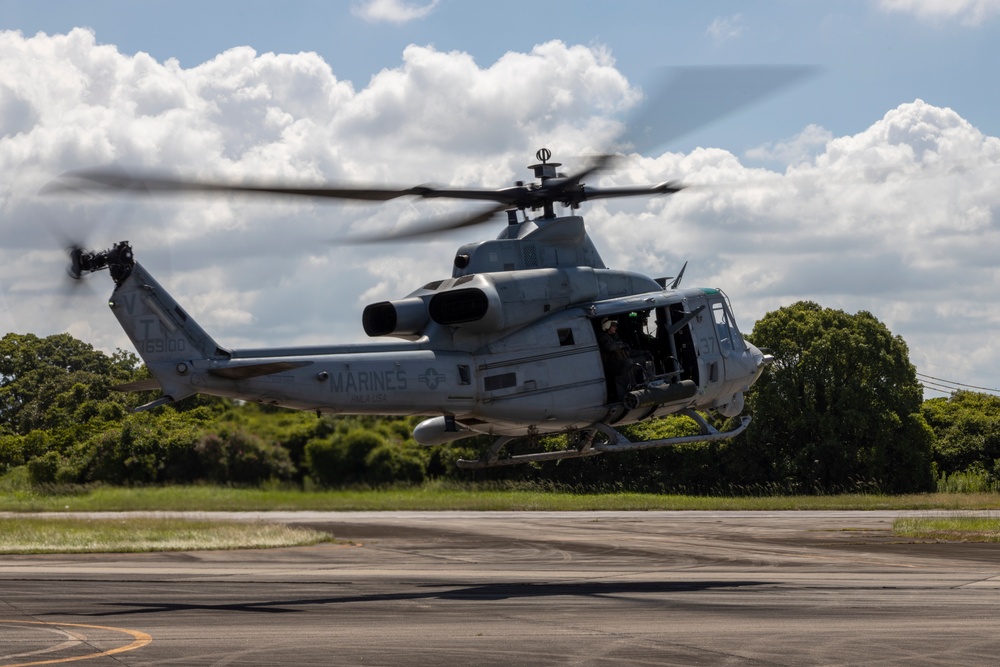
(246,372)
(139,385)
(162,400)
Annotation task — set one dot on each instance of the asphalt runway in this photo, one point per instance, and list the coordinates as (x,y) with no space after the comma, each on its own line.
(521,588)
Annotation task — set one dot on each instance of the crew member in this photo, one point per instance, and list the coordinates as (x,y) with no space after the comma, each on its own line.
(615,356)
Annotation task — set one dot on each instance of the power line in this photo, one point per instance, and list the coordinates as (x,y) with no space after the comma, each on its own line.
(954,383)
(933,386)
(930,386)
(951,385)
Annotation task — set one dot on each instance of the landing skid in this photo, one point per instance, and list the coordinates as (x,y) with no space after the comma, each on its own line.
(585,445)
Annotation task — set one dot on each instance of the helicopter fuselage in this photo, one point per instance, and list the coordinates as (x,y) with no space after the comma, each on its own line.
(517,342)
(509,353)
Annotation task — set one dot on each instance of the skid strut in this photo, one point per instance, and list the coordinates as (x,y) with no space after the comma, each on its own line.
(585,445)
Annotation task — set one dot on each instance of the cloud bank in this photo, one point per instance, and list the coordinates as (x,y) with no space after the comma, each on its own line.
(899,219)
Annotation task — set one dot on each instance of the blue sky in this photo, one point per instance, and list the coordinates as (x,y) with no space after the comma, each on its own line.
(869,186)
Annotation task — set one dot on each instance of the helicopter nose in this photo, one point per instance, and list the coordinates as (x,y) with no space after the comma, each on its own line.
(761,359)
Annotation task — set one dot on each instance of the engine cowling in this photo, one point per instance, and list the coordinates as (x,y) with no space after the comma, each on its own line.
(404,317)
(473,308)
(482,303)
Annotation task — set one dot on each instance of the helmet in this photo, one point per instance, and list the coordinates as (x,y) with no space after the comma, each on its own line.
(607,324)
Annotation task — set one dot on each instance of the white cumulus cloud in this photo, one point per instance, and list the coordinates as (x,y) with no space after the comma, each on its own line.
(900,219)
(802,147)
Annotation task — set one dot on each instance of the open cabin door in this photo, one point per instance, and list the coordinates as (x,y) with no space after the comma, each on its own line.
(660,347)
(674,330)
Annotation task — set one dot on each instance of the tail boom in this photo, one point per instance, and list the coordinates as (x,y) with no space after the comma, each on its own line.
(396,378)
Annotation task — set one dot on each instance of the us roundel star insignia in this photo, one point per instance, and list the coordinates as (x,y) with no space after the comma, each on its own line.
(431,378)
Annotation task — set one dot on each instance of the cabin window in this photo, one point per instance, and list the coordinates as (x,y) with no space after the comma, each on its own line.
(464,377)
(566,337)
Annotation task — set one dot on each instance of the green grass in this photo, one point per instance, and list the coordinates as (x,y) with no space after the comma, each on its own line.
(23,533)
(440,497)
(35,535)
(950,528)
(18,495)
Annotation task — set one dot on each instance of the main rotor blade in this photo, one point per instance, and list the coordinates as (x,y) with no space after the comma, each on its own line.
(683,99)
(111,179)
(417,231)
(666,188)
(565,189)
(101,180)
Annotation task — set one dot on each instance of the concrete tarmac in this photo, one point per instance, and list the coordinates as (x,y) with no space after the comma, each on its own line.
(520,588)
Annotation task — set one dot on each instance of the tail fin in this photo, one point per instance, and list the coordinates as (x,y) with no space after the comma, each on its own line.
(165,336)
(158,326)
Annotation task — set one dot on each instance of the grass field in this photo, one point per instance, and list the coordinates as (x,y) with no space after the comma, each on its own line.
(442,497)
(22,533)
(949,528)
(27,534)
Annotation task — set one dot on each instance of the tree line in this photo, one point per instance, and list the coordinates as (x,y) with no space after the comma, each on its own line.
(839,410)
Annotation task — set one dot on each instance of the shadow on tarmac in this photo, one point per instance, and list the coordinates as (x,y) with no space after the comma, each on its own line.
(482,593)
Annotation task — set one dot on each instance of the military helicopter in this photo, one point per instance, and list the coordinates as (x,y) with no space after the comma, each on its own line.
(519,342)
(510,345)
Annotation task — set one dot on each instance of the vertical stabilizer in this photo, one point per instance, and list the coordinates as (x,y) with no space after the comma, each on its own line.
(159,328)
(167,338)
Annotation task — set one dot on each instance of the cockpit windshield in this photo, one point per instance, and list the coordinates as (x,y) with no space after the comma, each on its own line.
(729,335)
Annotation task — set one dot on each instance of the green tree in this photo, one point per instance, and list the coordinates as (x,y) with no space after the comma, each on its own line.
(839,408)
(51,382)
(967,426)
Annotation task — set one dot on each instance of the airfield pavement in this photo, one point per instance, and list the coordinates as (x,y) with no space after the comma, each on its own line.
(520,588)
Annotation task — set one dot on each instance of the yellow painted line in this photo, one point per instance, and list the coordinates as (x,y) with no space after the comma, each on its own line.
(141,639)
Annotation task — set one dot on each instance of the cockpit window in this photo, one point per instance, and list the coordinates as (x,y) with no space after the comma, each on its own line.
(729,335)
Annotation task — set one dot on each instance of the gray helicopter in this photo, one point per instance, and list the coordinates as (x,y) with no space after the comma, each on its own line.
(531,335)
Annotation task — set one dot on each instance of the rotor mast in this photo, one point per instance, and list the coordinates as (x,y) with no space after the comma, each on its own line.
(545,171)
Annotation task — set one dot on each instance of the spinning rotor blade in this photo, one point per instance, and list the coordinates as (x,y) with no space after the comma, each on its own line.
(665,188)
(684,99)
(566,190)
(108,180)
(425,230)
(105,180)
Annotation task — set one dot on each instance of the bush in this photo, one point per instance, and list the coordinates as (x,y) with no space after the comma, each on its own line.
(340,460)
(43,469)
(236,456)
(387,464)
(11,452)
